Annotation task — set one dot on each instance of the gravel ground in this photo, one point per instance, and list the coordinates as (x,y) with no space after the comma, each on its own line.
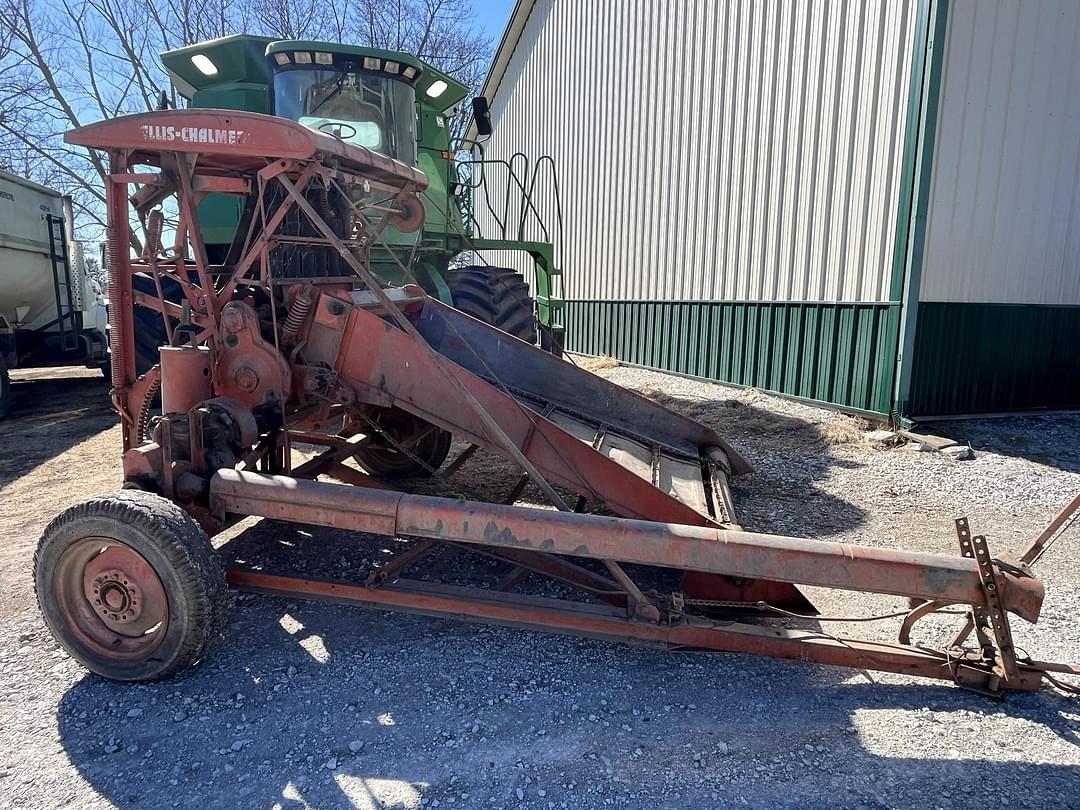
(318,706)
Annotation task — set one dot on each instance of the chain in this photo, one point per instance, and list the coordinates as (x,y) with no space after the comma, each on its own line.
(725,603)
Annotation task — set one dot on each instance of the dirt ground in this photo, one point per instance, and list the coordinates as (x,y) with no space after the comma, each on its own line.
(320,706)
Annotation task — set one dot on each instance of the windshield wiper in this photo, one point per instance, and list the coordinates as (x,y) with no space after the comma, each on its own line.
(337,89)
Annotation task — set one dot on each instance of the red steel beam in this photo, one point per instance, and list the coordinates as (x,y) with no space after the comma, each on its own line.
(415,377)
(601,621)
(668,545)
(1038,545)
(229,140)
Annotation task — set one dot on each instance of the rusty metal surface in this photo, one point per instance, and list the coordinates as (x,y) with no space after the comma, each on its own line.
(111,598)
(993,582)
(319,355)
(561,569)
(1069,514)
(693,548)
(410,376)
(234,141)
(247,368)
(550,615)
(185,375)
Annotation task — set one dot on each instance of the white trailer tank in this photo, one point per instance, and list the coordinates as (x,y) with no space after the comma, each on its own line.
(36,273)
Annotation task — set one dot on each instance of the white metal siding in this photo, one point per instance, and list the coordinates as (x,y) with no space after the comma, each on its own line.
(739,150)
(1004,216)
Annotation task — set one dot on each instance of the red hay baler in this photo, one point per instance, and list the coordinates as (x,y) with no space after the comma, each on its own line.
(291,343)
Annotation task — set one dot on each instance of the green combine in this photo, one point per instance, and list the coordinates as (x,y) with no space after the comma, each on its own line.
(396,104)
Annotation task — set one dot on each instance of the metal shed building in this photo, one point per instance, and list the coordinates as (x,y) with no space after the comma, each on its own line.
(873,204)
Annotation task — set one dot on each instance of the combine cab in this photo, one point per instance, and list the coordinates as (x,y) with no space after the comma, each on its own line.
(264,353)
(400,106)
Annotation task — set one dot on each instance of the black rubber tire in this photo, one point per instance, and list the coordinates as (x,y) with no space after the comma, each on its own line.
(496,296)
(149,328)
(432,449)
(180,554)
(5,390)
(149,337)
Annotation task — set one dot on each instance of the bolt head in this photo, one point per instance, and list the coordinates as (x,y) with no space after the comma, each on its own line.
(246,379)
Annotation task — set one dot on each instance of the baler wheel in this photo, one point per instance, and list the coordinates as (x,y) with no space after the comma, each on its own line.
(5,390)
(427,445)
(497,296)
(129,585)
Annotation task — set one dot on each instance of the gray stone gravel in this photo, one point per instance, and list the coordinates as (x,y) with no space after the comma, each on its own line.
(319,706)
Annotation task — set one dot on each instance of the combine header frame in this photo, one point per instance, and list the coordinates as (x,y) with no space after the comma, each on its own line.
(260,361)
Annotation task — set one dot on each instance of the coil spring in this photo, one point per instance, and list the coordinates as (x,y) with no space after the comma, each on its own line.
(116,346)
(146,408)
(301,305)
(155,224)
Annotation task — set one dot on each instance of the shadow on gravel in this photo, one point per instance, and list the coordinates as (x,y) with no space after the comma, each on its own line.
(1048,439)
(781,495)
(320,706)
(789,456)
(49,414)
(312,705)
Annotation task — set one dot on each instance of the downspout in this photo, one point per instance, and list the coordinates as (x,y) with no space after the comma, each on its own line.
(927,74)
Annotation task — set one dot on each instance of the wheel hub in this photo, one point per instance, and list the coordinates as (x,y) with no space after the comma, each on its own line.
(112,597)
(115,596)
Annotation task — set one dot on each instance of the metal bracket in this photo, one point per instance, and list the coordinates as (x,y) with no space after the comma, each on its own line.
(976,616)
(393,568)
(992,584)
(993,616)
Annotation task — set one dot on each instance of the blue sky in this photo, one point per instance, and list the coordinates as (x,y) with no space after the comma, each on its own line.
(492,15)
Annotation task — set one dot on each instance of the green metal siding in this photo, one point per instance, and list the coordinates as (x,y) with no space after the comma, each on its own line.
(913,205)
(841,354)
(987,358)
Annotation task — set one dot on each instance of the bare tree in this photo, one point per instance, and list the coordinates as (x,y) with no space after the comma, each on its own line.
(176,23)
(441,32)
(298,19)
(68,64)
(71,64)
(92,267)
(42,104)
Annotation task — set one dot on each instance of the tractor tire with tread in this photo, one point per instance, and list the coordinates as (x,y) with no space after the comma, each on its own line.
(164,551)
(497,296)
(149,328)
(149,338)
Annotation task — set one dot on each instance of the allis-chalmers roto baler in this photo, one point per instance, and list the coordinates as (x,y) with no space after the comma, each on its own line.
(291,343)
